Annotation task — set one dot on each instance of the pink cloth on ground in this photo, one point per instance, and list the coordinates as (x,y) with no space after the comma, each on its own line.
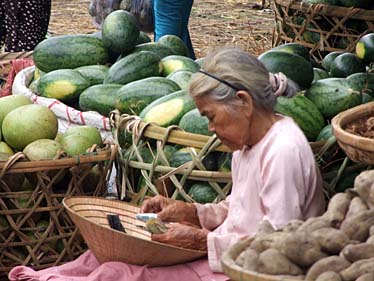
(276,180)
(87,268)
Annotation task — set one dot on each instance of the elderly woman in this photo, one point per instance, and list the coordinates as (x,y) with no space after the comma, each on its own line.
(275,177)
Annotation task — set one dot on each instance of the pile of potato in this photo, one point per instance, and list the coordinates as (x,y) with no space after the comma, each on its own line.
(337,246)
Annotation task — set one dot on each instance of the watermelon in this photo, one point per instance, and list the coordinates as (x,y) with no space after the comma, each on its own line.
(304,113)
(169,109)
(346,64)
(174,43)
(133,97)
(365,48)
(134,67)
(120,32)
(193,122)
(94,74)
(175,62)
(293,66)
(64,84)
(333,95)
(100,98)
(69,51)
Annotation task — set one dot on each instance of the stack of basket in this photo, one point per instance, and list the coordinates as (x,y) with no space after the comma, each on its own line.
(320,27)
(35,230)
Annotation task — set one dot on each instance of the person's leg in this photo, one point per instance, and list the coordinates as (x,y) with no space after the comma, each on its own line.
(168,18)
(171,17)
(27,24)
(185,33)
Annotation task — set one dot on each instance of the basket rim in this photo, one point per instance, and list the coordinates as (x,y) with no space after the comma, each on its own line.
(66,201)
(56,164)
(350,115)
(328,10)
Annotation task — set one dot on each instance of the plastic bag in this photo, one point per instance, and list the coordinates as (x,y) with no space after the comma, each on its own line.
(143,12)
(99,9)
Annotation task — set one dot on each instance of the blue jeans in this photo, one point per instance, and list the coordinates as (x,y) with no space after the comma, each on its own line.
(171,17)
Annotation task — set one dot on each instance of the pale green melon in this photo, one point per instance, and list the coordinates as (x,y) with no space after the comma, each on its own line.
(29,123)
(4,147)
(87,131)
(8,103)
(76,144)
(42,149)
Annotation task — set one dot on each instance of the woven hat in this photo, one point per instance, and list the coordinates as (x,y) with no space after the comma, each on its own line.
(133,247)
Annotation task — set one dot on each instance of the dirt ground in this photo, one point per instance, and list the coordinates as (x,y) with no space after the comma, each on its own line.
(212,23)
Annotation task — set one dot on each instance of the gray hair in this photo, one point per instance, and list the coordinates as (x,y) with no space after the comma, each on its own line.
(244,72)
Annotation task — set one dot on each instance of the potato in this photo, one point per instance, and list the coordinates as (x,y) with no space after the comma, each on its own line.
(300,247)
(331,240)
(337,209)
(370,240)
(357,269)
(265,227)
(366,277)
(329,276)
(363,185)
(371,230)
(356,206)
(292,226)
(240,259)
(332,263)
(273,262)
(250,260)
(357,226)
(313,224)
(357,252)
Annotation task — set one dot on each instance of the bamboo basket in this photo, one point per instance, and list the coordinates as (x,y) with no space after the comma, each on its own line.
(133,247)
(237,273)
(357,148)
(321,28)
(159,176)
(34,228)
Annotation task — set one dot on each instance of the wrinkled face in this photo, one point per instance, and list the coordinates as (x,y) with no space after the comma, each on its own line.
(229,122)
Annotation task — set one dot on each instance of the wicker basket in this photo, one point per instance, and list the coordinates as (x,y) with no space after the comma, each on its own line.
(158,174)
(237,273)
(321,28)
(133,247)
(34,228)
(357,148)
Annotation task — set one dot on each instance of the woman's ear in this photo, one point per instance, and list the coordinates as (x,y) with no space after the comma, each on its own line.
(246,102)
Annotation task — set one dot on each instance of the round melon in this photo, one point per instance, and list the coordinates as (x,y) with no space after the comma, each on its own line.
(329,58)
(76,144)
(202,193)
(175,44)
(8,103)
(120,32)
(365,48)
(5,148)
(29,123)
(87,131)
(346,64)
(42,149)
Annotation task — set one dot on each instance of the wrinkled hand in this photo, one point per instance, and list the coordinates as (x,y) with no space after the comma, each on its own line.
(184,236)
(170,210)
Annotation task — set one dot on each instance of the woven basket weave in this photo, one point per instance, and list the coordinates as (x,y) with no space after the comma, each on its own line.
(134,246)
(24,239)
(321,28)
(357,148)
(159,176)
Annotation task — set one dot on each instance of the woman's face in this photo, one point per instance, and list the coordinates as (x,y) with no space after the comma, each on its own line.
(229,121)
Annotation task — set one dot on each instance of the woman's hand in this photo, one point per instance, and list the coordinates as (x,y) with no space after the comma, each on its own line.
(184,236)
(170,210)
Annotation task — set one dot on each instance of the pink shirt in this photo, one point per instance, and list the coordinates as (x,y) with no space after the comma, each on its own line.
(275,180)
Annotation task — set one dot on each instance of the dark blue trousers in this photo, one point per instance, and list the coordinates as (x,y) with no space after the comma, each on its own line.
(171,17)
